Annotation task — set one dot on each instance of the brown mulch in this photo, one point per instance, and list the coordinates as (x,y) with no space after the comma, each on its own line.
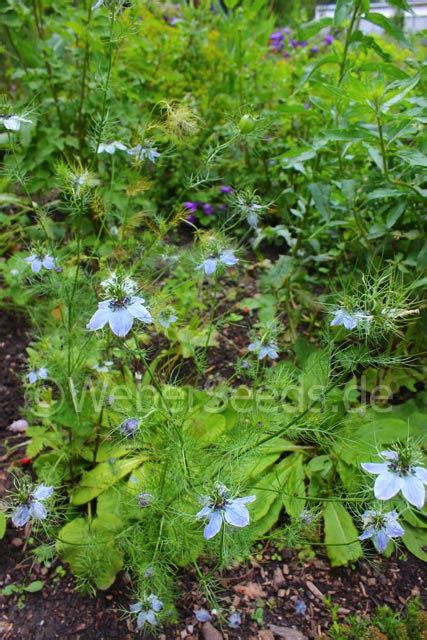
(263,591)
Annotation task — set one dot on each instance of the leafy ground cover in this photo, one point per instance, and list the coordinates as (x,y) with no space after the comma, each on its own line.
(214,234)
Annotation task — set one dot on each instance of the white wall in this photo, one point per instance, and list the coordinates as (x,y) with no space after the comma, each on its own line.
(413,22)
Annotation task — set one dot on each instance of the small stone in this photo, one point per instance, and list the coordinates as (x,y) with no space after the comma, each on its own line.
(266,634)
(287,633)
(210,633)
(285,569)
(278,578)
(17,542)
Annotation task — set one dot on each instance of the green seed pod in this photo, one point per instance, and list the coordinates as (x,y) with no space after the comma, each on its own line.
(246,123)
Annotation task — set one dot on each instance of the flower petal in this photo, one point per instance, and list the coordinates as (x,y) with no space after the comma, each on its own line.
(209,266)
(36,265)
(139,311)
(21,515)
(413,490)
(99,319)
(421,474)
(380,540)
(375,467)
(386,486)
(228,258)
(38,510)
(214,525)
(42,492)
(141,619)
(205,512)
(49,263)
(135,608)
(120,321)
(236,514)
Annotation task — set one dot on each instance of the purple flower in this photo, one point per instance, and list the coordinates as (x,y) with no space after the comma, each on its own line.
(328,39)
(208,209)
(395,475)
(220,508)
(293,43)
(381,527)
(225,188)
(314,49)
(191,206)
(191,218)
(302,43)
(129,427)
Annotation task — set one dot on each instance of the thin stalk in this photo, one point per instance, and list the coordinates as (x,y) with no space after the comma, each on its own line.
(107,82)
(347,40)
(83,84)
(40,32)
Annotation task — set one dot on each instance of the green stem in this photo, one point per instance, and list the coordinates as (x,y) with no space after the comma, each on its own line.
(347,40)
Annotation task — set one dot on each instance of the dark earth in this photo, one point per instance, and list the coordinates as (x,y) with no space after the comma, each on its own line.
(263,591)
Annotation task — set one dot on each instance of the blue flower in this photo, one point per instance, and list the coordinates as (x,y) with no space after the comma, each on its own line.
(111,147)
(221,508)
(398,475)
(300,607)
(37,374)
(349,320)
(13,122)
(263,351)
(145,499)
(202,615)
(129,427)
(381,527)
(235,620)
(39,261)
(33,508)
(226,257)
(147,611)
(165,320)
(144,153)
(120,314)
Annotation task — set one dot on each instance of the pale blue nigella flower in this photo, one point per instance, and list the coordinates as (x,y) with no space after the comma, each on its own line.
(120,314)
(37,374)
(37,262)
(145,499)
(221,508)
(235,620)
(111,147)
(165,320)
(349,320)
(13,122)
(129,427)
(396,475)
(253,213)
(226,257)
(148,611)
(263,351)
(144,153)
(202,615)
(300,607)
(33,508)
(104,367)
(381,527)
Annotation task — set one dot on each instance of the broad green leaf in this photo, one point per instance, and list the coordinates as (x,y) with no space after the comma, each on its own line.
(310,29)
(340,535)
(389,27)
(294,486)
(205,427)
(314,378)
(342,11)
(415,540)
(103,476)
(90,552)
